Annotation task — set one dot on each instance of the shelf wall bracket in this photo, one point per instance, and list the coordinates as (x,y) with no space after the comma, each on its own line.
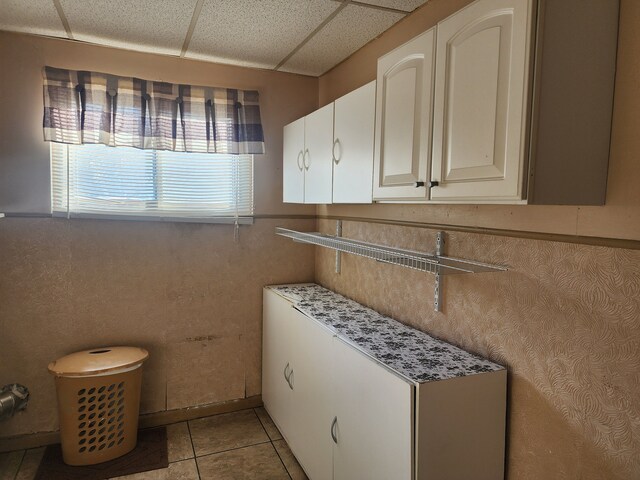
(338,252)
(437,285)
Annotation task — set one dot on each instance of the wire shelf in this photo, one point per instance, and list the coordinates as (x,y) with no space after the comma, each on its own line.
(424,262)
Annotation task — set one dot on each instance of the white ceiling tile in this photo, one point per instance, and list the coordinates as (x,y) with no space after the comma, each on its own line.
(404,5)
(353,27)
(31,16)
(255,33)
(157,26)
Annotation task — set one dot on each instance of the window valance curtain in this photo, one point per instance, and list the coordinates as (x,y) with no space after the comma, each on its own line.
(88,107)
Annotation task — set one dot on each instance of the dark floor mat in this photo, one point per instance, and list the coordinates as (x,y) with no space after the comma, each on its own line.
(150,454)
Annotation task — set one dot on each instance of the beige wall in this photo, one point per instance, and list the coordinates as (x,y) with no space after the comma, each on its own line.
(186,292)
(619,218)
(565,318)
(24,156)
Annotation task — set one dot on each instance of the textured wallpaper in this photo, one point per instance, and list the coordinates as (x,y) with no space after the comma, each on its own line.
(188,293)
(565,319)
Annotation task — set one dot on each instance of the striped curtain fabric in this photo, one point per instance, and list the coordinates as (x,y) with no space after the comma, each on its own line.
(88,107)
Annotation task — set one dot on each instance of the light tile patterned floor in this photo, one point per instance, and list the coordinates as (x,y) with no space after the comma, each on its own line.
(244,445)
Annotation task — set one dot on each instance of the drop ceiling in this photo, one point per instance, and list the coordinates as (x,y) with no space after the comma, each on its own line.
(300,36)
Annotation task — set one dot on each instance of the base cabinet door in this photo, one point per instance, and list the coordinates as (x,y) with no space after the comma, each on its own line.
(480,112)
(373,419)
(311,379)
(277,395)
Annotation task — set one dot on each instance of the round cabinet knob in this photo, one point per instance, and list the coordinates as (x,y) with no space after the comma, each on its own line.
(418,184)
(433,183)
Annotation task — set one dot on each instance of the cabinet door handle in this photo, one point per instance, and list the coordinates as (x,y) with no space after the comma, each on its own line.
(286,375)
(298,160)
(336,159)
(333,430)
(304,159)
(290,380)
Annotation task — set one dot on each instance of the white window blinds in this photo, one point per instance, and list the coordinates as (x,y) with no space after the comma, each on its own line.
(125,182)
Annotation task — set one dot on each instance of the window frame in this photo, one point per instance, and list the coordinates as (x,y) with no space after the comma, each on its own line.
(241,219)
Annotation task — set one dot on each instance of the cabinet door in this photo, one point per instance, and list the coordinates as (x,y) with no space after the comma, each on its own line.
(277,336)
(403,120)
(310,438)
(374,412)
(318,160)
(481,96)
(354,121)
(292,162)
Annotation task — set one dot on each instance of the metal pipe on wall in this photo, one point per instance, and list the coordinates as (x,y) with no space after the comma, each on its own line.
(13,398)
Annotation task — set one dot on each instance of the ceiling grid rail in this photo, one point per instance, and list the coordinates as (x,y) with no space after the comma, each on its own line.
(251,33)
(63,18)
(311,35)
(192,27)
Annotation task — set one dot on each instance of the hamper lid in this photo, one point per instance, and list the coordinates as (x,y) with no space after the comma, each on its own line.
(98,360)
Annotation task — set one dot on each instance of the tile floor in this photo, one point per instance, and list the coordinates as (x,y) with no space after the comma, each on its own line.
(244,445)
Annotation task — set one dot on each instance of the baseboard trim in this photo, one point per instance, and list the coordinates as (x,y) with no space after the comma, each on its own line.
(155,419)
(30,440)
(191,413)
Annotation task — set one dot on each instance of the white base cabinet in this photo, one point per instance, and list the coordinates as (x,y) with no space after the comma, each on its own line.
(311,387)
(276,355)
(296,385)
(346,416)
(374,418)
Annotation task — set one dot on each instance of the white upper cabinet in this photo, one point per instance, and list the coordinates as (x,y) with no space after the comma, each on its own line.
(353,134)
(307,163)
(522,106)
(318,157)
(505,101)
(293,162)
(403,120)
(482,71)
(328,155)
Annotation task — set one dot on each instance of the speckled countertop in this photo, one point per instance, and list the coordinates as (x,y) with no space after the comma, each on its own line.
(411,353)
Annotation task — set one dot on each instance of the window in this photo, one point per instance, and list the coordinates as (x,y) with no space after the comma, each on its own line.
(125,182)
